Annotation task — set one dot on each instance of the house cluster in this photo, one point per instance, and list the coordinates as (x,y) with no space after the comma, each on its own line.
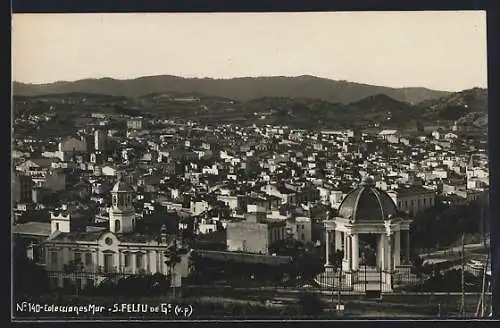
(116,199)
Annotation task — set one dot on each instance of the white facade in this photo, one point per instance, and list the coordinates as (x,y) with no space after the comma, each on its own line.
(199,207)
(413,202)
(303,229)
(230,201)
(107,254)
(99,140)
(108,171)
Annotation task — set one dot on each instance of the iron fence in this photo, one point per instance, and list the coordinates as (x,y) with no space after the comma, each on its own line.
(103,282)
(363,282)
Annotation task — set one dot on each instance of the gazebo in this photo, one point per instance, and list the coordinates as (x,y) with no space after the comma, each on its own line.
(369,215)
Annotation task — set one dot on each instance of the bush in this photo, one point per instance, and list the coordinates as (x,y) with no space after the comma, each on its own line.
(310,304)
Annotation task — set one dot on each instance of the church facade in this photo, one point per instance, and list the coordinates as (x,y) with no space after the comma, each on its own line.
(88,257)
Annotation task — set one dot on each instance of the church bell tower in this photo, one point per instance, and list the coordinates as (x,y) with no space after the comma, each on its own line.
(122,214)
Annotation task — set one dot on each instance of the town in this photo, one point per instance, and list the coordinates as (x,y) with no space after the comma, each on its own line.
(132,204)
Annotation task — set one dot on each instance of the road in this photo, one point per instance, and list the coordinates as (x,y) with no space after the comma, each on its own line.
(455,250)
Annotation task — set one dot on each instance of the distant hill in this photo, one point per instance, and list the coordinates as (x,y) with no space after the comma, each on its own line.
(240,89)
(456,105)
(380,102)
(467,107)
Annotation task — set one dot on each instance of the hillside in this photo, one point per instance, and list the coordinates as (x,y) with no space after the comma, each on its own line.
(241,89)
(471,103)
(467,107)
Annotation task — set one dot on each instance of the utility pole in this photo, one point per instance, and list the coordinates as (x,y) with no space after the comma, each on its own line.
(462,304)
(341,256)
(481,306)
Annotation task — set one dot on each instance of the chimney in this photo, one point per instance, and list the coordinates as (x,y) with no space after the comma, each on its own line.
(163,234)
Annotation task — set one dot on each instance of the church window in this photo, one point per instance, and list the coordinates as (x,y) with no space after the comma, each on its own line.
(127,260)
(139,259)
(117,225)
(88,258)
(53,258)
(57,226)
(115,200)
(78,257)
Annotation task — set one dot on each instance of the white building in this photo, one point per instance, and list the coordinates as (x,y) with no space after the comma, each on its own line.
(118,250)
(99,140)
(413,199)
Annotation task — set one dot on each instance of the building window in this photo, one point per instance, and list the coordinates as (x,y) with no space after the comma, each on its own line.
(302,237)
(127,260)
(41,255)
(425,201)
(139,259)
(78,257)
(88,258)
(53,258)
(117,225)
(108,262)
(57,226)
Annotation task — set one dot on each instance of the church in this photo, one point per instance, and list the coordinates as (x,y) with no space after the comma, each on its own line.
(118,250)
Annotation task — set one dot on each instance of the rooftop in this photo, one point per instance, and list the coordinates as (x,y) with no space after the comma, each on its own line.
(367,203)
(41,229)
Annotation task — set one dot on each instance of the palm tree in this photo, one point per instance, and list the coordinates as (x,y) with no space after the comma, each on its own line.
(418,268)
(172,259)
(74,267)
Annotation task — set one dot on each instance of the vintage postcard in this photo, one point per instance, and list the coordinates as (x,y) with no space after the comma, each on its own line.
(250,166)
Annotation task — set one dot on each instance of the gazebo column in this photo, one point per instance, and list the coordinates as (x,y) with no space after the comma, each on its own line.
(390,253)
(355,251)
(327,248)
(390,263)
(407,246)
(381,251)
(346,263)
(338,240)
(397,249)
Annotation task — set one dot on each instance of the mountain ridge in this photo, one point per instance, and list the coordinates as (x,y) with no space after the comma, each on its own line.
(240,89)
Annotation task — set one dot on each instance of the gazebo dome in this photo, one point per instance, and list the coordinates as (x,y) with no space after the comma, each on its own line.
(367,203)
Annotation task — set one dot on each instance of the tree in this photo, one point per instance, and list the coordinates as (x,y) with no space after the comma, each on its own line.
(337,258)
(310,304)
(29,278)
(75,267)
(172,259)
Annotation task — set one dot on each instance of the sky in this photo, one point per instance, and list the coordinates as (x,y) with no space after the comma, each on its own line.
(437,50)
